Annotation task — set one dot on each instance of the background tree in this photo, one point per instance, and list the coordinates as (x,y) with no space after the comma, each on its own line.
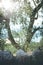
(24,16)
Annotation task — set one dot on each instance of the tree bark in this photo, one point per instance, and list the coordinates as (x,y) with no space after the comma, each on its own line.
(7,20)
(10,35)
(29,31)
(30,27)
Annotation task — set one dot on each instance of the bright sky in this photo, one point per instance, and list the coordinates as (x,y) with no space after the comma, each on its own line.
(9,5)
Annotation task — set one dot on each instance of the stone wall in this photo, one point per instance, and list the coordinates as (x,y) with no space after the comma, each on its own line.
(6,58)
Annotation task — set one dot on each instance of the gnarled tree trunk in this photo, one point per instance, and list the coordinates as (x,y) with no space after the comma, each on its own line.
(30,33)
(10,35)
(32,18)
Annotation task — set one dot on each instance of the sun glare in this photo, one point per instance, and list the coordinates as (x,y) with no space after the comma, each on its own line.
(6,4)
(9,5)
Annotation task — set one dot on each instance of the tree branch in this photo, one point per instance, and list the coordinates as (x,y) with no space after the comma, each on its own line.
(37,29)
(37,8)
(10,35)
(2,17)
(34,2)
(32,16)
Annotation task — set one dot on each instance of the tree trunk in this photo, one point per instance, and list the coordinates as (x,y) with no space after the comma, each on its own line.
(10,35)
(29,32)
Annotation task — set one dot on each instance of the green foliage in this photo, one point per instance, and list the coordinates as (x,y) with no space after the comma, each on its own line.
(31,47)
(27,8)
(10,48)
(7,46)
(41,42)
(2,42)
(1,13)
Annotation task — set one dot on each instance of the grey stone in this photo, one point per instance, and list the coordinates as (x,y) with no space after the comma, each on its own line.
(5,55)
(20,52)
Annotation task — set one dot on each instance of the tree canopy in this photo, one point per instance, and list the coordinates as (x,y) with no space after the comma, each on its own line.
(23,13)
